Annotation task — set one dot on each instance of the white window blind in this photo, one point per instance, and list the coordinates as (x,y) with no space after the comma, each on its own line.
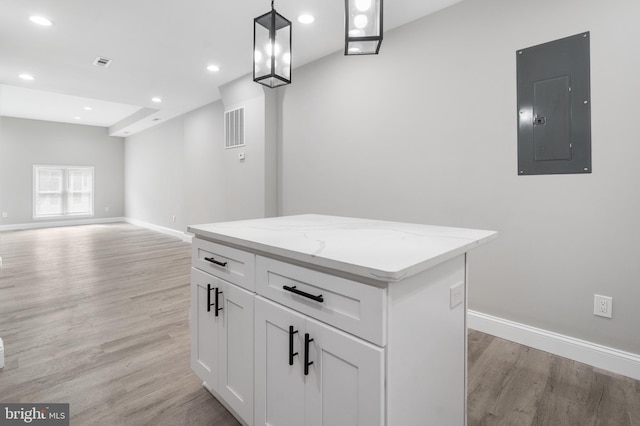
(62,191)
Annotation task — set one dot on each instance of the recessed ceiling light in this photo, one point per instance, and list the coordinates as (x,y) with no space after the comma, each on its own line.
(76,117)
(213,68)
(156,100)
(306,19)
(88,108)
(41,20)
(27,77)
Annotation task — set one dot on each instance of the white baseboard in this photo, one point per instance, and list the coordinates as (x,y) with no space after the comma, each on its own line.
(606,358)
(184,236)
(58,223)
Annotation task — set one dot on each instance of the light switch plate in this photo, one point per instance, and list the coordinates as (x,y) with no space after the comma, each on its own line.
(456,295)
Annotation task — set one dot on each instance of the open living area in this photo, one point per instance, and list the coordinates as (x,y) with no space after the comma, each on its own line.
(298,213)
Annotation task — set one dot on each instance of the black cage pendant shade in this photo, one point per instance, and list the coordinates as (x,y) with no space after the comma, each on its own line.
(363,27)
(272,49)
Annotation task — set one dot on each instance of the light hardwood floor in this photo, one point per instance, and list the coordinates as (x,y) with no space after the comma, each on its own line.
(97,316)
(511,384)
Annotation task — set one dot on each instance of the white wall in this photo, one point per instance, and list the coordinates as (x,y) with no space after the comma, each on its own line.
(25,143)
(426,132)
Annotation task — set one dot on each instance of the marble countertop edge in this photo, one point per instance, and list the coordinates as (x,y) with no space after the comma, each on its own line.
(401,269)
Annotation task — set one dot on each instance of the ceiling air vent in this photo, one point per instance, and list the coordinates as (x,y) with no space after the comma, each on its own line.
(234,128)
(101,61)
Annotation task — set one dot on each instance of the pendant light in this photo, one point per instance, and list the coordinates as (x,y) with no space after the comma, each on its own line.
(363,27)
(272,49)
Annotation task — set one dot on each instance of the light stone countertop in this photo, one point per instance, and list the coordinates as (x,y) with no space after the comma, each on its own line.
(379,250)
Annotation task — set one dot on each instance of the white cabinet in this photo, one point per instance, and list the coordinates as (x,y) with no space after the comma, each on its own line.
(232,265)
(204,328)
(279,375)
(222,340)
(309,373)
(348,305)
(332,321)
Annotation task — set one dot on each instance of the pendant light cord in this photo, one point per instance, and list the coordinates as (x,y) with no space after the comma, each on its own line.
(272,4)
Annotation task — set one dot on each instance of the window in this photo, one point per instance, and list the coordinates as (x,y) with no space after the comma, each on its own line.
(62,191)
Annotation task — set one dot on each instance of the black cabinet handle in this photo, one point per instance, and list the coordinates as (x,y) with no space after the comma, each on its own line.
(217,262)
(209,304)
(293,289)
(291,354)
(218,292)
(306,354)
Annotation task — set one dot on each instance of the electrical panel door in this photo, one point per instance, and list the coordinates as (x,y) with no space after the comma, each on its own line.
(554,107)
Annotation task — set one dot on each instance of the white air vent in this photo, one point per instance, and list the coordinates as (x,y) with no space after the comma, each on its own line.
(234,128)
(102,62)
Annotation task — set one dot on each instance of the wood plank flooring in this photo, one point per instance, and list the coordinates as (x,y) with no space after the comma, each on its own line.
(97,316)
(511,384)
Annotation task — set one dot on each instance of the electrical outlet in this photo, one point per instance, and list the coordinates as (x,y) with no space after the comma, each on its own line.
(5,214)
(456,295)
(602,306)
(173,219)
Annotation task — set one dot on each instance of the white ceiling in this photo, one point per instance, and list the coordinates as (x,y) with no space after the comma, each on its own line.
(158,47)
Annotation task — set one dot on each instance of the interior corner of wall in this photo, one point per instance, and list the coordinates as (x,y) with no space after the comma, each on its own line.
(239,90)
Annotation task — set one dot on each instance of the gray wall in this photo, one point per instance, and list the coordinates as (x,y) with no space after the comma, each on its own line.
(25,143)
(154,175)
(250,183)
(181,168)
(426,132)
(204,177)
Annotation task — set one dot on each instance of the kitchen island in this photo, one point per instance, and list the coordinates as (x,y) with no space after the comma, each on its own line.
(324,320)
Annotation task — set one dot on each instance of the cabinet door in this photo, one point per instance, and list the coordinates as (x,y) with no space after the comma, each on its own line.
(345,384)
(235,349)
(279,387)
(204,328)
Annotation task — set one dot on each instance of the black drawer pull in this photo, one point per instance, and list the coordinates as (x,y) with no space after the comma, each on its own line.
(293,289)
(306,354)
(209,304)
(218,292)
(291,353)
(217,262)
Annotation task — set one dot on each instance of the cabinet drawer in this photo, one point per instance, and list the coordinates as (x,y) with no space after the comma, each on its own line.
(235,266)
(354,307)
